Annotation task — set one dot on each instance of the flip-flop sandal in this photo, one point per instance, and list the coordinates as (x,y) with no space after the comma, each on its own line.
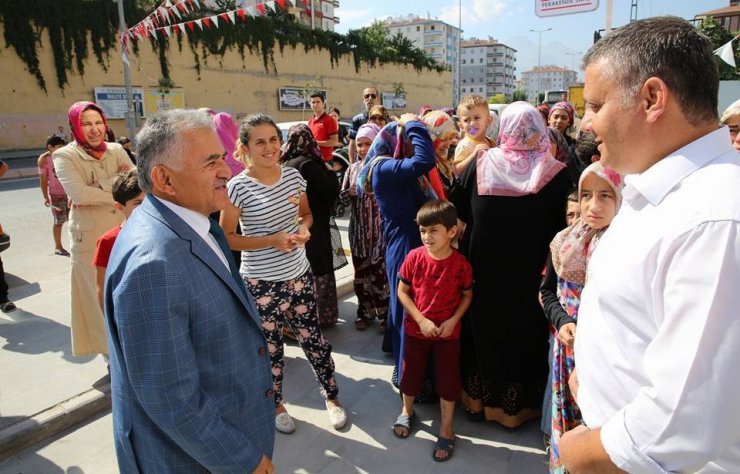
(444,444)
(406,422)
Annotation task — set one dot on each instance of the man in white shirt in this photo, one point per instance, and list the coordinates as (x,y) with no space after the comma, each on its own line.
(658,344)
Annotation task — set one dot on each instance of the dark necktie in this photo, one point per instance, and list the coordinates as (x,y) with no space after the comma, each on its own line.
(220,237)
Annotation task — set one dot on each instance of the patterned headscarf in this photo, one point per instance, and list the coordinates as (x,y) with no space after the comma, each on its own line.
(563,106)
(301,143)
(572,247)
(228,131)
(440,126)
(75,123)
(521,164)
(391,143)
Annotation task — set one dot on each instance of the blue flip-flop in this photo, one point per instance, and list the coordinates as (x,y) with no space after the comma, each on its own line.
(444,444)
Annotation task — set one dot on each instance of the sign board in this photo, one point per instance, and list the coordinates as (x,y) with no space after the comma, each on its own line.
(155,101)
(394,101)
(113,101)
(544,8)
(297,98)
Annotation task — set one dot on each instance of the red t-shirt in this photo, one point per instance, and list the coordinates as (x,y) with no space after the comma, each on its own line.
(436,287)
(322,128)
(104,247)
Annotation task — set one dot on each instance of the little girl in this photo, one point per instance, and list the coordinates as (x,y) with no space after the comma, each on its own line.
(270,202)
(366,240)
(599,194)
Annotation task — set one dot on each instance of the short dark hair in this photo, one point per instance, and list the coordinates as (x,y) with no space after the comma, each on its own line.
(587,147)
(435,212)
(126,187)
(54,140)
(123,140)
(668,48)
(319,95)
(335,110)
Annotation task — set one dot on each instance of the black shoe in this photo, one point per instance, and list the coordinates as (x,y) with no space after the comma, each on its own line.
(7,307)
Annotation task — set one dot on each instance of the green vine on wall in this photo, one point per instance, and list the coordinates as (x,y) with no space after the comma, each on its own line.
(72,23)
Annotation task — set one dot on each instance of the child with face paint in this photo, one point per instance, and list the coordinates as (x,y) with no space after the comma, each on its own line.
(475,118)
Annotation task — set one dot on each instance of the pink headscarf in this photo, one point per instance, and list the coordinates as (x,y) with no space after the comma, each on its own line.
(572,247)
(368,130)
(522,163)
(228,131)
(75,123)
(563,105)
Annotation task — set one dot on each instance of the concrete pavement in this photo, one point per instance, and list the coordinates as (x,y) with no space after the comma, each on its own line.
(46,390)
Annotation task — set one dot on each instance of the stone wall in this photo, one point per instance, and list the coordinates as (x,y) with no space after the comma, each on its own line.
(28,115)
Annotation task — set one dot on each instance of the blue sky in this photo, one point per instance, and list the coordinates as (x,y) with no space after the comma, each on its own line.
(509,21)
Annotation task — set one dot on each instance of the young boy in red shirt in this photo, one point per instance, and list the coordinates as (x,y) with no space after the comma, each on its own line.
(435,289)
(127,196)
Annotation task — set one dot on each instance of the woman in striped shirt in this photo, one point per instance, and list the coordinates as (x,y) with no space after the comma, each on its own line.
(270,203)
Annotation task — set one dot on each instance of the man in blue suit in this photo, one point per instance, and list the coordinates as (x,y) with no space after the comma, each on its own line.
(190,370)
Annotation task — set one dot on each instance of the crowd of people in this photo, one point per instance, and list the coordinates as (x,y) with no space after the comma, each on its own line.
(582,276)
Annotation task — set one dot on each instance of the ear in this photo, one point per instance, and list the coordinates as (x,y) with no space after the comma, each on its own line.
(117,205)
(162,181)
(654,98)
(595,158)
(452,232)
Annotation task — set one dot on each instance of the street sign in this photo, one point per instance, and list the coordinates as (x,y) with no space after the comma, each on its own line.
(545,8)
(113,101)
(393,101)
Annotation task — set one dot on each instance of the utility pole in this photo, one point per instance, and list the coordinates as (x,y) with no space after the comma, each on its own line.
(132,120)
(539,63)
(456,92)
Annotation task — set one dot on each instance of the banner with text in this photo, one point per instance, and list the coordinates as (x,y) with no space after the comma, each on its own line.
(544,8)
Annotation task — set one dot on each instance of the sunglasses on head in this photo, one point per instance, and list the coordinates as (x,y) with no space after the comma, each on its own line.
(370,96)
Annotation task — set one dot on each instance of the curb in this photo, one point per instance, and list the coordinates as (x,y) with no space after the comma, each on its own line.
(47,423)
(36,428)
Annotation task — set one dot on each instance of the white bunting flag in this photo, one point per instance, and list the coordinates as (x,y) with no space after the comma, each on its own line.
(726,53)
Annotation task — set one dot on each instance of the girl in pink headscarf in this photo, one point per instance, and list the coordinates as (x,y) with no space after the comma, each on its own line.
(366,240)
(87,167)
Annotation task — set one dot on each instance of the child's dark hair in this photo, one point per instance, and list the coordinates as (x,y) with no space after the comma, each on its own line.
(126,187)
(54,141)
(587,147)
(335,110)
(435,212)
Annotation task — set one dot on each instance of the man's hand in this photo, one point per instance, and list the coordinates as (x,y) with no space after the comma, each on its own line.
(567,334)
(265,466)
(428,328)
(581,452)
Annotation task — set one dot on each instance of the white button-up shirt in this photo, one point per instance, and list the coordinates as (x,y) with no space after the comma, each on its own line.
(658,344)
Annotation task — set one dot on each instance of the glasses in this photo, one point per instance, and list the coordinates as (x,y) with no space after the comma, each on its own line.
(376,117)
(370,96)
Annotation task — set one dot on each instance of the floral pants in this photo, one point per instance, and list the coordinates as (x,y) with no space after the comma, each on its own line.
(292,302)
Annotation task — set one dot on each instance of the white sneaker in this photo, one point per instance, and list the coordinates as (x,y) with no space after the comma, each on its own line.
(284,423)
(337,417)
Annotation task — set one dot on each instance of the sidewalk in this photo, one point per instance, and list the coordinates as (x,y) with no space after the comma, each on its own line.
(367,445)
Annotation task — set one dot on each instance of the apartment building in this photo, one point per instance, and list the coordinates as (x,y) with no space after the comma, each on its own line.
(317,14)
(438,39)
(487,68)
(546,78)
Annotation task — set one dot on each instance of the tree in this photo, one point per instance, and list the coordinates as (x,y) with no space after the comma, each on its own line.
(497,99)
(720,36)
(519,94)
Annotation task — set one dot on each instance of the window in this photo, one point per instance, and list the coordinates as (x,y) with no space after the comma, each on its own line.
(432,27)
(480,60)
(417,29)
(480,89)
(463,61)
(465,81)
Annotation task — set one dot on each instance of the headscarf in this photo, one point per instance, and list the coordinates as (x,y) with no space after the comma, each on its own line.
(563,105)
(440,125)
(391,143)
(228,132)
(731,111)
(75,123)
(572,247)
(521,164)
(425,109)
(558,139)
(301,143)
(368,130)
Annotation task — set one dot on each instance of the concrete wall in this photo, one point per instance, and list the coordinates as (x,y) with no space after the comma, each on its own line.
(28,115)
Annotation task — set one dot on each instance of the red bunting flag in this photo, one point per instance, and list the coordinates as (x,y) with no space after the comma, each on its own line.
(261,8)
(242,14)
(191,25)
(281,3)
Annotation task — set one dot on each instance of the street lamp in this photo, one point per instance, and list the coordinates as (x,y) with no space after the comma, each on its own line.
(539,62)
(573,59)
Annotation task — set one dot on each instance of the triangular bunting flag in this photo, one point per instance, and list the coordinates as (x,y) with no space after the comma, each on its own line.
(181,6)
(207,22)
(175,12)
(196,4)
(260,7)
(168,4)
(242,13)
(154,33)
(231,16)
(726,53)
(168,30)
(191,25)
(214,20)
(281,3)
(199,22)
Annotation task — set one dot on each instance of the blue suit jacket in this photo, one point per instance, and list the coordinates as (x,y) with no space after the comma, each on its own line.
(190,370)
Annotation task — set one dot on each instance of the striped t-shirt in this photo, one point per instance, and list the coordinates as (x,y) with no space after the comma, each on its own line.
(266,210)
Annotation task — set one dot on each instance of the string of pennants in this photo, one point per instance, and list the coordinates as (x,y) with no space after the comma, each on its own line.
(163,17)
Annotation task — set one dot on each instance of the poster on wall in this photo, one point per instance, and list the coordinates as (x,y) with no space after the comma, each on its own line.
(297,98)
(156,101)
(394,101)
(113,101)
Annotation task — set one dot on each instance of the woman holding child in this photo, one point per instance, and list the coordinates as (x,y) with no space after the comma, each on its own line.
(512,199)
(87,167)
(270,202)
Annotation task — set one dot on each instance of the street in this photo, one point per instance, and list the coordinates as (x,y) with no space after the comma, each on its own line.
(38,371)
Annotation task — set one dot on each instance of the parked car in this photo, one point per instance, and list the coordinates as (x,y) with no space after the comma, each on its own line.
(285,126)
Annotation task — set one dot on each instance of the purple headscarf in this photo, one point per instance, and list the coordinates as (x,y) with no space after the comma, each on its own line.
(228,131)
(368,130)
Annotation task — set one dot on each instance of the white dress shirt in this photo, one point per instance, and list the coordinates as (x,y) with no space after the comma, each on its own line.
(658,345)
(200,224)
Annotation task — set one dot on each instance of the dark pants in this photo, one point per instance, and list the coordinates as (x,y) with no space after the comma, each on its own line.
(3,284)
